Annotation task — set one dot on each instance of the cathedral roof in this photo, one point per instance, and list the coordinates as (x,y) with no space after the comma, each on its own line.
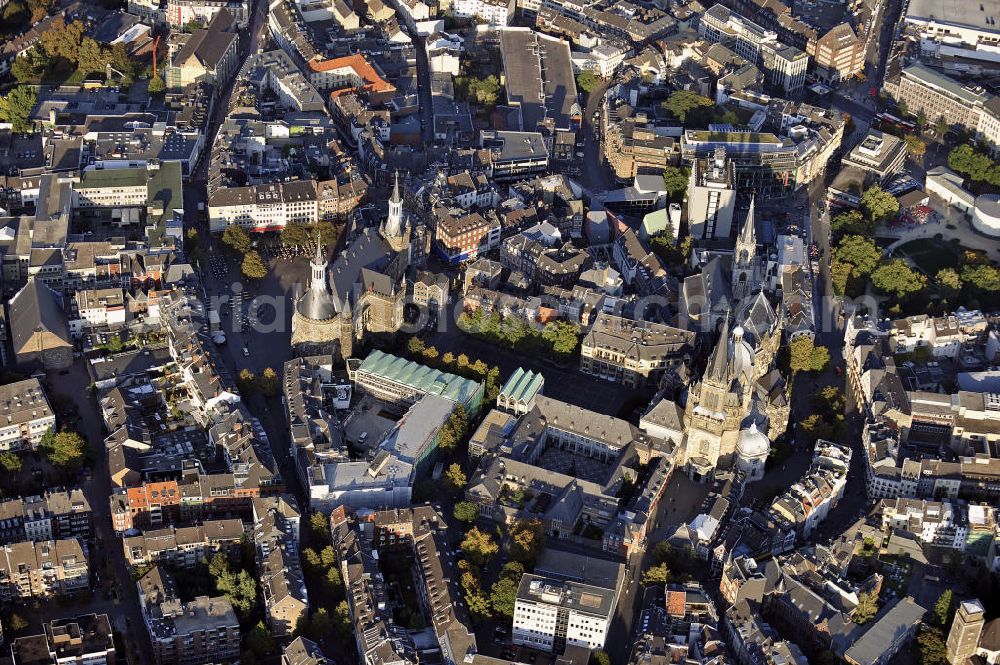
(316,305)
(368,250)
(718,363)
(760,318)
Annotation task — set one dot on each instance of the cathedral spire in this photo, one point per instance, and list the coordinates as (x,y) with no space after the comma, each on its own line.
(747,241)
(718,362)
(394,222)
(318,257)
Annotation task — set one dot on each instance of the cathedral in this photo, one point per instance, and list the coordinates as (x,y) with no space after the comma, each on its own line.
(361,293)
(739,404)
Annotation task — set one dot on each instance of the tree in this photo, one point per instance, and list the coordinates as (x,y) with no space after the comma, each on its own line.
(454,430)
(415,346)
(948,281)
(867,608)
(829,400)
(675,181)
(31,65)
(319,527)
(327,233)
(659,574)
(878,205)
(10,462)
(455,477)
(562,338)
(218,565)
(915,146)
(860,252)
(851,222)
(526,541)
(342,620)
(62,40)
(942,609)
(236,238)
(240,589)
(253,267)
(806,356)
(295,234)
(503,594)
(246,382)
(898,279)
(466,511)
(92,58)
(599,658)
(65,450)
(479,547)
(39,9)
(259,641)
(156,85)
(587,81)
(448,358)
(512,570)
(931,649)
(16,623)
(269,383)
(479,605)
(981,277)
(816,427)
(430,353)
(16,106)
(485,91)
(942,126)
(682,102)
(122,61)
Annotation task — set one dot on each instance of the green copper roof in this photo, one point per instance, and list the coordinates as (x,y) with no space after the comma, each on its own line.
(419,377)
(522,385)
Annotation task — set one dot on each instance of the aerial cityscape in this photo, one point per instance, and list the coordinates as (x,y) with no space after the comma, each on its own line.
(500,332)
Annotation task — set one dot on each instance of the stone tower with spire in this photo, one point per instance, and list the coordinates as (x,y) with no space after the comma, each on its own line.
(314,325)
(747,268)
(396,228)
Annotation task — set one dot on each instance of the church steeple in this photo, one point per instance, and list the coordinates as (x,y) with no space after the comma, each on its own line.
(745,269)
(318,267)
(394,222)
(746,243)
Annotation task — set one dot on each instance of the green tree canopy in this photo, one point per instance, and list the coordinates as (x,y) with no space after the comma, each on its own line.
(682,102)
(466,511)
(897,278)
(915,146)
(587,81)
(236,238)
(878,205)
(527,538)
(455,477)
(10,462)
(675,181)
(807,356)
(942,609)
(931,649)
(156,85)
(253,266)
(851,222)
(860,252)
(867,608)
(503,595)
(65,449)
(16,106)
(270,385)
(658,574)
(479,547)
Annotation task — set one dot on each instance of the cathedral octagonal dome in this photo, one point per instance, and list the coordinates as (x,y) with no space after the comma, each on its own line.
(752,443)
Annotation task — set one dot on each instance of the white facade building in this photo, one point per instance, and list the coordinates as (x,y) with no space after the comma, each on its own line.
(551,614)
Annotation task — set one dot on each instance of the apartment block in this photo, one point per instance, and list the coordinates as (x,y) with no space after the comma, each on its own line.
(42,570)
(938,96)
(82,640)
(25,415)
(203,630)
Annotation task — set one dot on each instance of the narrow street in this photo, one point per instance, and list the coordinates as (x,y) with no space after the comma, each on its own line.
(123,609)
(595,173)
